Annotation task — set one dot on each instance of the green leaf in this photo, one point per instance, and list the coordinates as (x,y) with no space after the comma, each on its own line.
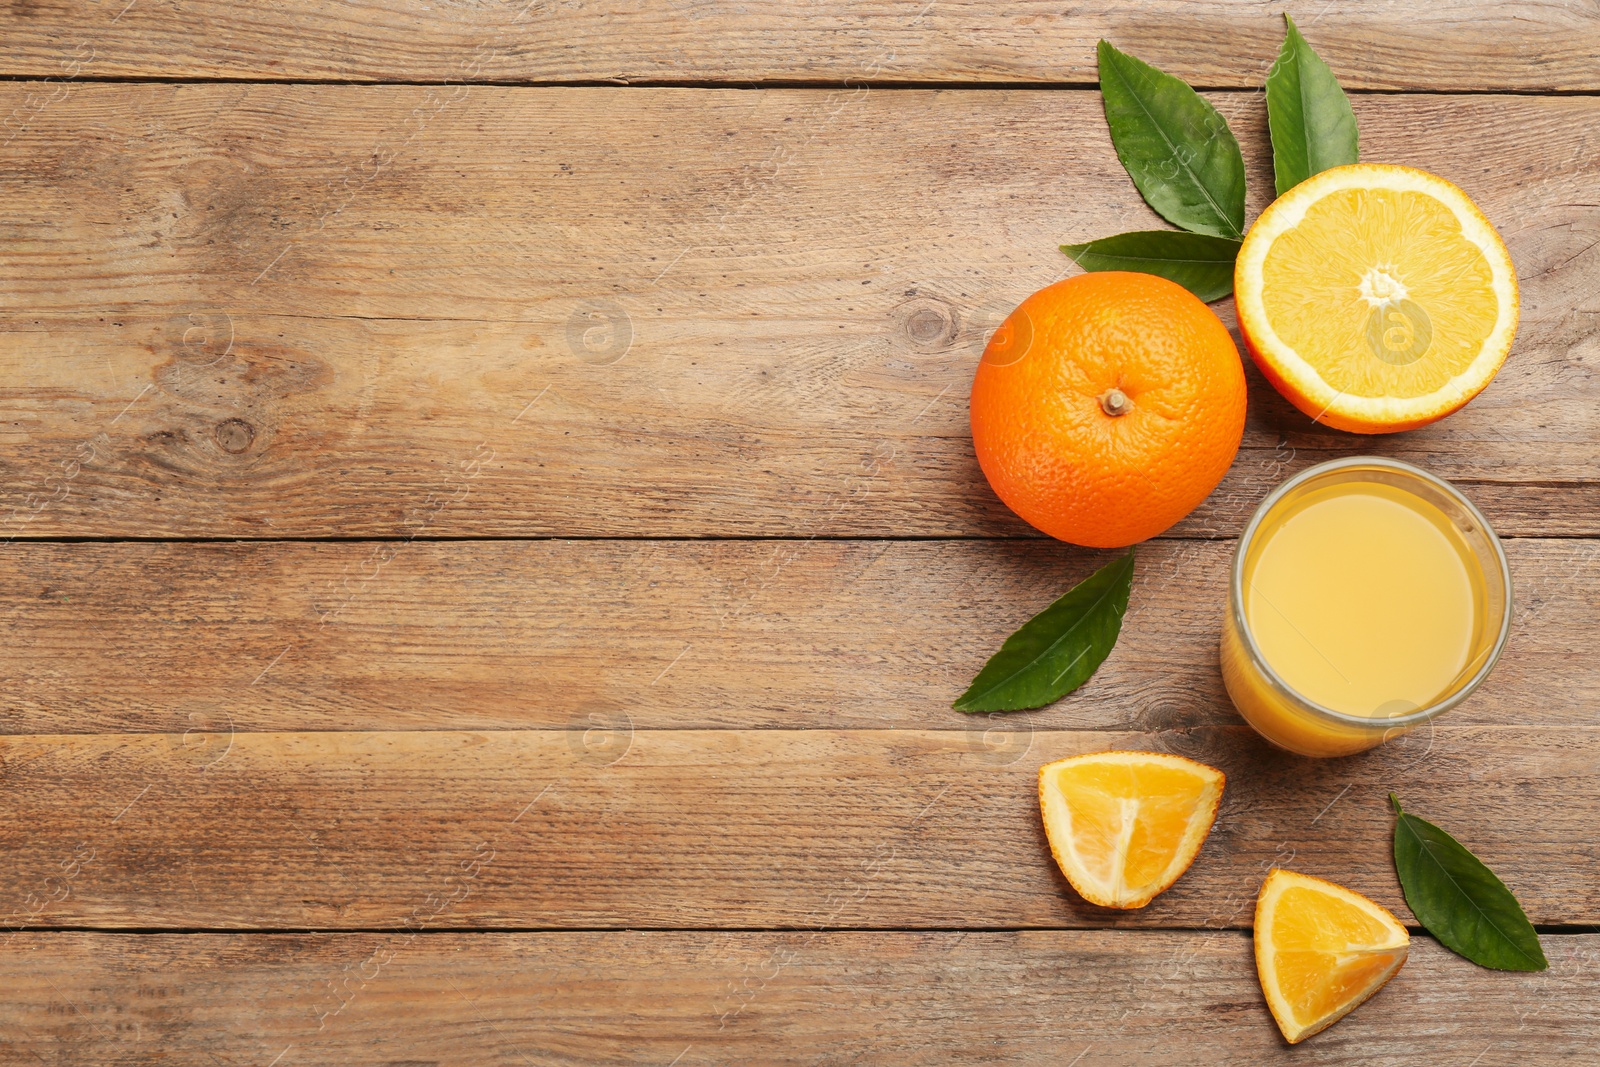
(1199,262)
(1459,900)
(1312,125)
(1058,649)
(1176,148)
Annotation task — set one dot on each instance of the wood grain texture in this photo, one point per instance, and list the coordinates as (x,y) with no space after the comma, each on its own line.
(700,634)
(1028,998)
(417,312)
(1435,45)
(269,311)
(611,827)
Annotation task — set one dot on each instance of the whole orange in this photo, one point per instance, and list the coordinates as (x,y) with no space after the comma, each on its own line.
(1107,407)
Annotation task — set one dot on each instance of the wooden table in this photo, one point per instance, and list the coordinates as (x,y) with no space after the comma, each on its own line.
(493,537)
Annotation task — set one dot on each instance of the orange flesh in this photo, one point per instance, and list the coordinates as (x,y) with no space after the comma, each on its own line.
(1314,980)
(1313,294)
(1151,806)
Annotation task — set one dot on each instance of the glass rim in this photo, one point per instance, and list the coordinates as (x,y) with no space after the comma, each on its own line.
(1248,640)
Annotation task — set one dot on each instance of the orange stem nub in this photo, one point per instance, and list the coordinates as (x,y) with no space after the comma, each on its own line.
(1115,402)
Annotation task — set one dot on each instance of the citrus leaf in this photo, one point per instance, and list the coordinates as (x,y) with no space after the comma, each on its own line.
(1199,262)
(1176,148)
(1312,125)
(1459,900)
(1058,649)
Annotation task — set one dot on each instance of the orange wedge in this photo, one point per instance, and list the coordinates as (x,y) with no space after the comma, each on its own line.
(1321,950)
(1124,825)
(1376,298)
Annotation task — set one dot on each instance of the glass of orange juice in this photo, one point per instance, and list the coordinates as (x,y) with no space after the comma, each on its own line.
(1367,597)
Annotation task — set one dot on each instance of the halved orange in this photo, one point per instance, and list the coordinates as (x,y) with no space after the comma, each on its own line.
(1321,950)
(1376,297)
(1124,825)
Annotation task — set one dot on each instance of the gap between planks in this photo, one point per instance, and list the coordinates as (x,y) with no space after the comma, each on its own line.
(752,85)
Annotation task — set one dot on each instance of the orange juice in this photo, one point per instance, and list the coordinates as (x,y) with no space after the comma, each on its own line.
(1366,596)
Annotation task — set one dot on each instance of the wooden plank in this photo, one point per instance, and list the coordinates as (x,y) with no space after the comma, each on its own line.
(334,311)
(701,634)
(812,828)
(1027,997)
(1438,45)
